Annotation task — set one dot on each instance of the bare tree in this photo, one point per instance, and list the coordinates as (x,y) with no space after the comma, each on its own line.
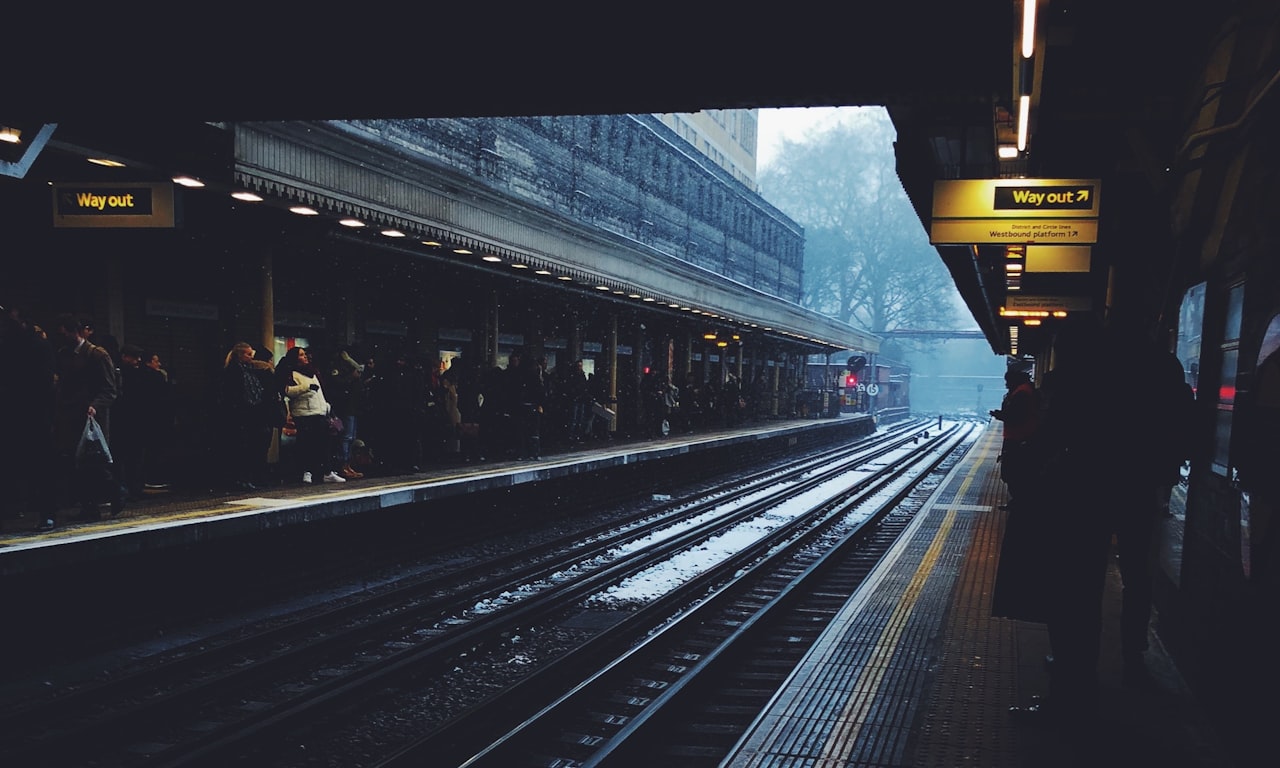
(868,261)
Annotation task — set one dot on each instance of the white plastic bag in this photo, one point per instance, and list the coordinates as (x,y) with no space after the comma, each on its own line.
(93,448)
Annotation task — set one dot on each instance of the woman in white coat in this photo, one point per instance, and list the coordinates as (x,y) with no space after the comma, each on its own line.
(300,380)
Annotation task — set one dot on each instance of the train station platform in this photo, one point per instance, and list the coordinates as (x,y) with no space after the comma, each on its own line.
(913,672)
(916,672)
(163,521)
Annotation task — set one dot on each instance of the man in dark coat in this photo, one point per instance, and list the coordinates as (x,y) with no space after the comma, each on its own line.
(88,384)
(26,410)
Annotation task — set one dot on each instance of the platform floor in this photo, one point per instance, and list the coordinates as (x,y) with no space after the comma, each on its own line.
(916,672)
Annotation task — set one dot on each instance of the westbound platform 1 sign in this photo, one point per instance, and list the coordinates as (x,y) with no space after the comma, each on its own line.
(1011,211)
(1013,231)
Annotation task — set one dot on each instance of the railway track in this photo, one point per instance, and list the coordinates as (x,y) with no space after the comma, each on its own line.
(246,696)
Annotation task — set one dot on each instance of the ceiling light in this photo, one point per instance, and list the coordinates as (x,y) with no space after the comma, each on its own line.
(1006,151)
(602,287)
(542,271)
(1028,28)
(1024,116)
(649,298)
(431,243)
(519,266)
(564,277)
(351,222)
(188,181)
(10,135)
(462,251)
(392,233)
(633,295)
(490,258)
(303,210)
(248,197)
(106,162)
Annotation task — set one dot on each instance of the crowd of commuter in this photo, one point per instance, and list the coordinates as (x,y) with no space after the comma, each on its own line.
(305,419)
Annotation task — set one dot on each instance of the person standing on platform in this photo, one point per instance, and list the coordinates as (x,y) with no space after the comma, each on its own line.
(131,417)
(300,380)
(1156,431)
(248,391)
(1020,413)
(88,384)
(27,391)
(525,395)
(1077,435)
(346,396)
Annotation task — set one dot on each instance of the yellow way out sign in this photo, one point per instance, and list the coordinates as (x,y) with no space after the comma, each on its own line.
(984,211)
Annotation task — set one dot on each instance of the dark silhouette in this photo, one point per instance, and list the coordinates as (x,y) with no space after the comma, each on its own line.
(88,384)
(1020,413)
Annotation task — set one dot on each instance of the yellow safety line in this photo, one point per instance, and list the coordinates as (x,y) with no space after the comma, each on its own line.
(840,743)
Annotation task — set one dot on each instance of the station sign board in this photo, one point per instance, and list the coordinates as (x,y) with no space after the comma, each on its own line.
(1013,231)
(1016,198)
(118,205)
(1058,258)
(1011,211)
(1019,303)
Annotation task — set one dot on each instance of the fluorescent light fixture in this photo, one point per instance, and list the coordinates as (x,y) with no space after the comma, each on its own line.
(106,162)
(188,181)
(602,287)
(248,197)
(431,243)
(633,295)
(490,258)
(1006,151)
(351,223)
(462,251)
(392,233)
(649,298)
(1024,116)
(1028,28)
(10,135)
(564,277)
(519,266)
(542,271)
(303,210)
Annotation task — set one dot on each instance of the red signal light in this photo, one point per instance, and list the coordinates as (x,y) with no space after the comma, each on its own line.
(850,381)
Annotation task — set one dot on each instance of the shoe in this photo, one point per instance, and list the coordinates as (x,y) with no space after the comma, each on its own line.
(47,525)
(351,474)
(306,477)
(334,477)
